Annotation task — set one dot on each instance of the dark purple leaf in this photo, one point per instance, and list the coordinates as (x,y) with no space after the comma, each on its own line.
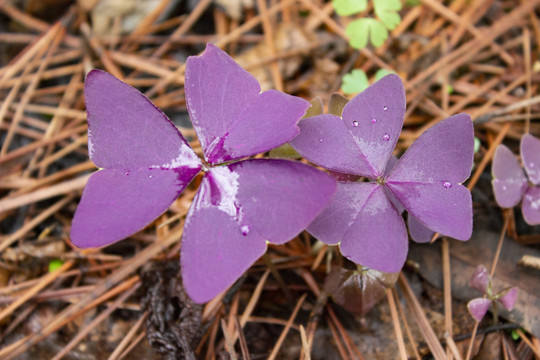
(479,307)
(530,155)
(147,163)
(232,118)
(427,179)
(257,199)
(509,181)
(480,279)
(358,290)
(509,298)
(530,207)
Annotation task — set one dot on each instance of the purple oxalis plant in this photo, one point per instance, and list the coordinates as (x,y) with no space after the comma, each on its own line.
(510,184)
(364,218)
(146,164)
(481,281)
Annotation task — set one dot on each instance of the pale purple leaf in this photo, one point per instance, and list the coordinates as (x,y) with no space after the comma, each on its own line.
(509,181)
(377,237)
(374,119)
(117,203)
(509,299)
(232,118)
(530,155)
(480,279)
(324,140)
(215,252)
(427,179)
(127,131)
(418,231)
(530,207)
(479,307)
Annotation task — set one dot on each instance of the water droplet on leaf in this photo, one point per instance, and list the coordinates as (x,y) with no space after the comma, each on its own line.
(245,229)
(355,123)
(447,184)
(126,173)
(386,137)
(320,140)
(531,165)
(385,108)
(373,121)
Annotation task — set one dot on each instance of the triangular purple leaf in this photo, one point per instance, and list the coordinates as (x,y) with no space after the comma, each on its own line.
(530,155)
(480,279)
(418,231)
(377,238)
(215,252)
(127,131)
(530,207)
(280,198)
(509,299)
(324,140)
(427,179)
(147,163)
(479,307)
(117,203)
(509,181)
(232,118)
(374,118)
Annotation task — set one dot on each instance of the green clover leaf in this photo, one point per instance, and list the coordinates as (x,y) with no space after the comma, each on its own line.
(354,82)
(359,30)
(386,10)
(349,7)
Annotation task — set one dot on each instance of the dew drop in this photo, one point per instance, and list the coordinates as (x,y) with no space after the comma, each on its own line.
(447,184)
(385,108)
(504,188)
(386,137)
(126,173)
(531,165)
(320,140)
(150,176)
(355,123)
(245,229)
(373,121)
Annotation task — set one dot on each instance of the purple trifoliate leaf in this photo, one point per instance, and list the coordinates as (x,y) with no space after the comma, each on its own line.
(377,237)
(480,279)
(530,155)
(427,179)
(479,307)
(263,200)
(530,207)
(418,231)
(509,299)
(147,163)
(509,181)
(358,290)
(232,118)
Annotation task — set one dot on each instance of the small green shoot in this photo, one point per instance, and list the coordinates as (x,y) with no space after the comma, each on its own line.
(55,265)
(360,30)
(354,82)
